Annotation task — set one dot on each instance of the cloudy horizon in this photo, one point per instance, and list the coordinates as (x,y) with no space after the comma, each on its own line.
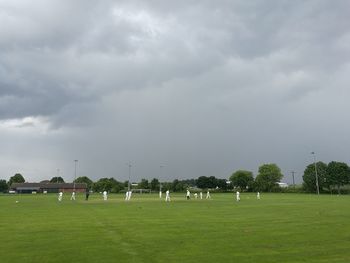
(202,88)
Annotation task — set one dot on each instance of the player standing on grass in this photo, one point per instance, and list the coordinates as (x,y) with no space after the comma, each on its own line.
(87,193)
(238,197)
(73,196)
(105,195)
(208,195)
(258,196)
(188,194)
(129,195)
(60,196)
(201,195)
(167,196)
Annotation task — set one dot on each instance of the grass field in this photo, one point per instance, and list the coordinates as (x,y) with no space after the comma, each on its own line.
(277,228)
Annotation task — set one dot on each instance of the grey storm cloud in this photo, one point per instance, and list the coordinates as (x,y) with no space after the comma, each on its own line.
(200,87)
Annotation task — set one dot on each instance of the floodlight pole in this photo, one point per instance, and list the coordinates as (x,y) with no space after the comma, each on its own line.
(317,186)
(129,165)
(75,173)
(160,184)
(293,178)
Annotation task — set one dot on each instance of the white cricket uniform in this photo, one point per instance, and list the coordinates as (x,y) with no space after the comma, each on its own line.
(258,195)
(195,195)
(188,194)
(167,196)
(201,195)
(73,196)
(60,196)
(237,196)
(105,195)
(160,194)
(208,195)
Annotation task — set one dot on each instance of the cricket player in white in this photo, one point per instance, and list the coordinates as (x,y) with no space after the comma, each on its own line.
(167,196)
(188,194)
(160,194)
(195,195)
(237,196)
(258,195)
(208,195)
(129,195)
(201,195)
(60,196)
(126,195)
(105,195)
(73,196)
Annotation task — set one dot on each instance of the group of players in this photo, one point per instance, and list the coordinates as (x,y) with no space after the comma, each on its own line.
(167,195)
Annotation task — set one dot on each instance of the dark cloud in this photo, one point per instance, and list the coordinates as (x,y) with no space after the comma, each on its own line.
(203,88)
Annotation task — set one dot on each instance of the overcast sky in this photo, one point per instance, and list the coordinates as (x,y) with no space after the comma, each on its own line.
(203,88)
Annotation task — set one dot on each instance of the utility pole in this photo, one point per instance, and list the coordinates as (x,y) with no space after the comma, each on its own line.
(160,184)
(129,165)
(75,173)
(58,174)
(293,178)
(317,186)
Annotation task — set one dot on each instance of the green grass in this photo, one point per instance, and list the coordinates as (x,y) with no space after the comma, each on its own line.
(277,228)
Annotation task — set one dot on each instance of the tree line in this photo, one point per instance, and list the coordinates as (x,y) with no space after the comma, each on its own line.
(331,176)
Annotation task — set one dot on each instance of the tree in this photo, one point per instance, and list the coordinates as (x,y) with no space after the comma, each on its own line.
(268,176)
(108,184)
(242,179)
(154,184)
(222,184)
(309,176)
(144,184)
(178,186)
(57,179)
(17,178)
(3,186)
(202,182)
(338,174)
(84,179)
(206,182)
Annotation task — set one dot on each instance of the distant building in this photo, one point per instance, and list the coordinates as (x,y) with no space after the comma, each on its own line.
(28,188)
(282,185)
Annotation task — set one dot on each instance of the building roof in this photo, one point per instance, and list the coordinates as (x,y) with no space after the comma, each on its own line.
(29,186)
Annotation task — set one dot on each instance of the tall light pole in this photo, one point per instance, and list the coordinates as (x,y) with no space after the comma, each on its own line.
(58,174)
(293,178)
(129,165)
(317,187)
(75,173)
(160,184)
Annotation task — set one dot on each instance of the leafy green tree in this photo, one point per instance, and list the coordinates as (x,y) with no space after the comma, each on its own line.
(309,176)
(206,182)
(57,179)
(222,184)
(107,184)
(167,186)
(3,186)
(154,184)
(86,180)
(338,174)
(178,186)
(17,178)
(242,179)
(268,176)
(144,184)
